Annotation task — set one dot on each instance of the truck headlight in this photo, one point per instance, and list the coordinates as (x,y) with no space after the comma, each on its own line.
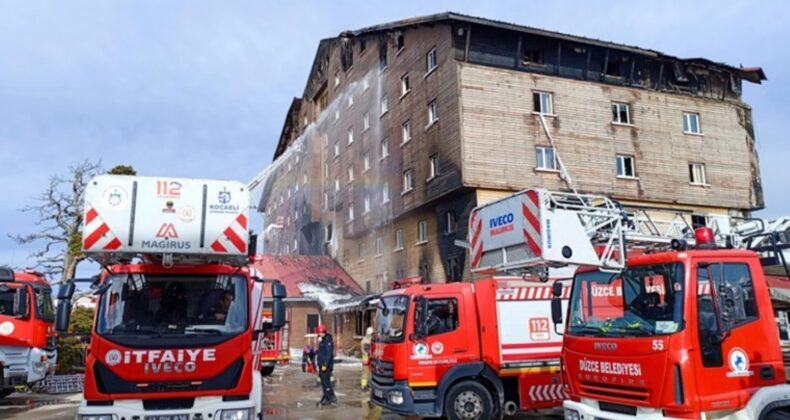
(571,414)
(96,417)
(396,397)
(40,368)
(237,414)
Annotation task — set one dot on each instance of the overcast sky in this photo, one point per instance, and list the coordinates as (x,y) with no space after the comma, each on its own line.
(200,89)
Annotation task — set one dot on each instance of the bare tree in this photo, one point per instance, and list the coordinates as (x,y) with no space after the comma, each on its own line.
(59,224)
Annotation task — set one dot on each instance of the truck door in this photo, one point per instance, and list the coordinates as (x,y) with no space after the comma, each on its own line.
(732,365)
(445,344)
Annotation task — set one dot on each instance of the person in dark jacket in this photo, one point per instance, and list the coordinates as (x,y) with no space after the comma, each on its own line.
(326,359)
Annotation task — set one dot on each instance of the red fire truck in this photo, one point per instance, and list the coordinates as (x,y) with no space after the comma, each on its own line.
(685,333)
(28,348)
(273,352)
(178,332)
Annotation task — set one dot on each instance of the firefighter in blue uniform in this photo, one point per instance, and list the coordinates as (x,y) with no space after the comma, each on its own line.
(326,358)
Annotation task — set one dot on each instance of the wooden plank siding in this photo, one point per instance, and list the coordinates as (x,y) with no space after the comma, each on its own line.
(500,133)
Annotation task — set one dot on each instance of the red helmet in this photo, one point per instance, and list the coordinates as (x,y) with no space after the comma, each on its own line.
(321,329)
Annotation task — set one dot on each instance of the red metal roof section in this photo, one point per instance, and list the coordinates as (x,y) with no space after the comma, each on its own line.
(295,269)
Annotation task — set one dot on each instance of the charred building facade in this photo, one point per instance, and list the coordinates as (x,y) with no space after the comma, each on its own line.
(403,128)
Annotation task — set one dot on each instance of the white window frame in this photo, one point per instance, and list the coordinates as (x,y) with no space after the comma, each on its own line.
(540,164)
(350,174)
(337,149)
(326,201)
(350,101)
(337,185)
(385,148)
(350,135)
(365,121)
(337,79)
(379,246)
(541,94)
(422,232)
(366,207)
(365,83)
(366,162)
(385,193)
(431,61)
(383,106)
(362,251)
(617,108)
(408,181)
(405,85)
(620,163)
(433,113)
(337,115)
(687,117)
(697,169)
(405,132)
(433,166)
(398,240)
(351,212)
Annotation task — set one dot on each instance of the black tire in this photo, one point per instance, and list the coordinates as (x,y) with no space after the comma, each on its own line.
(267,370)
(468,401)
(6,392)
(780,414)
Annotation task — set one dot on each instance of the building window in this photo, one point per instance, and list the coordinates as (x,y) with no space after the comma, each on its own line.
(337,185)
(691,123)
(365,83)
(365,121)
(621,113)
(422,232)
(542,103)
(312,323)
(405,132)
(405,86)
(350,135)
(351,173)
(326,170)
(379,246)
(337,79)
(399,42)
(625,166)
(430,61)
(337,115)
(328,233)
(362,45)
(385,148)
(326,201)
(361,251)
(545,158)
(337,149)
(366,162)
(698,220)
(452,224)
(382,56)
(433,166)
(697,174)
(533,56)
(408,185)
(367,204)
(385,193)
(296,245)
(384,105)
(350,101)
(433,113)
(351,212)
(398,239)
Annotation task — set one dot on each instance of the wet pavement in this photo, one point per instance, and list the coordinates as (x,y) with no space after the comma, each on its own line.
(288,394)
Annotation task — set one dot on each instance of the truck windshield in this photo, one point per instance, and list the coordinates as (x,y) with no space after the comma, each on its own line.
(45,308)
(391,318)
(167,305)
(642,300)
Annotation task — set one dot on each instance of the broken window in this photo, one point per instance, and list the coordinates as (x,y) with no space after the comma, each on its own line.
(698,220)
(691,123)
(399,41)
(346,55)
(405,86)
(542,103)
(363,45)
(621,113)
(545,159)
(697,174)
(453,271)
(382,55)
(533,56)
(408,183)
(422,232)
(613,68)
(433,166)
(430,60)
(625,166)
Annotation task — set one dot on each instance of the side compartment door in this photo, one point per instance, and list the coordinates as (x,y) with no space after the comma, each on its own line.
(730,366)
(445,344)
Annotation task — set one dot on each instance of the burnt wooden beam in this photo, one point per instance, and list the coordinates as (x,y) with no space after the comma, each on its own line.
(468,41)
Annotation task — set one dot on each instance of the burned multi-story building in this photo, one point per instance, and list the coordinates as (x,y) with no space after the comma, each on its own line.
(403,128)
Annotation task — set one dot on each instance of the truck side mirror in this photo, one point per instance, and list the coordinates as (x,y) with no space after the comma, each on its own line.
(556,304)
(65,293)
(278,306)
(22,303)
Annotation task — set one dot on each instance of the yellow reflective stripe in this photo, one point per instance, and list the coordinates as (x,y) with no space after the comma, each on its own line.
(421,384)
(541,369)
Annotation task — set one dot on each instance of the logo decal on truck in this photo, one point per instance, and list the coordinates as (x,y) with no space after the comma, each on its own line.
(739,364)
(420,351)
(115,196)
(223,204)
(161,361)
(167,230)
(6,328)
(437,348)
(113,357)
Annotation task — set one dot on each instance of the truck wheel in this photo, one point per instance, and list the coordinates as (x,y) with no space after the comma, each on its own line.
(6,392)
(267,370)
(778,415)
(468,401)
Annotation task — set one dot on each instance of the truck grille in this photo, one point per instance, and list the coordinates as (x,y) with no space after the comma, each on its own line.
(382,372)
(596,389)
